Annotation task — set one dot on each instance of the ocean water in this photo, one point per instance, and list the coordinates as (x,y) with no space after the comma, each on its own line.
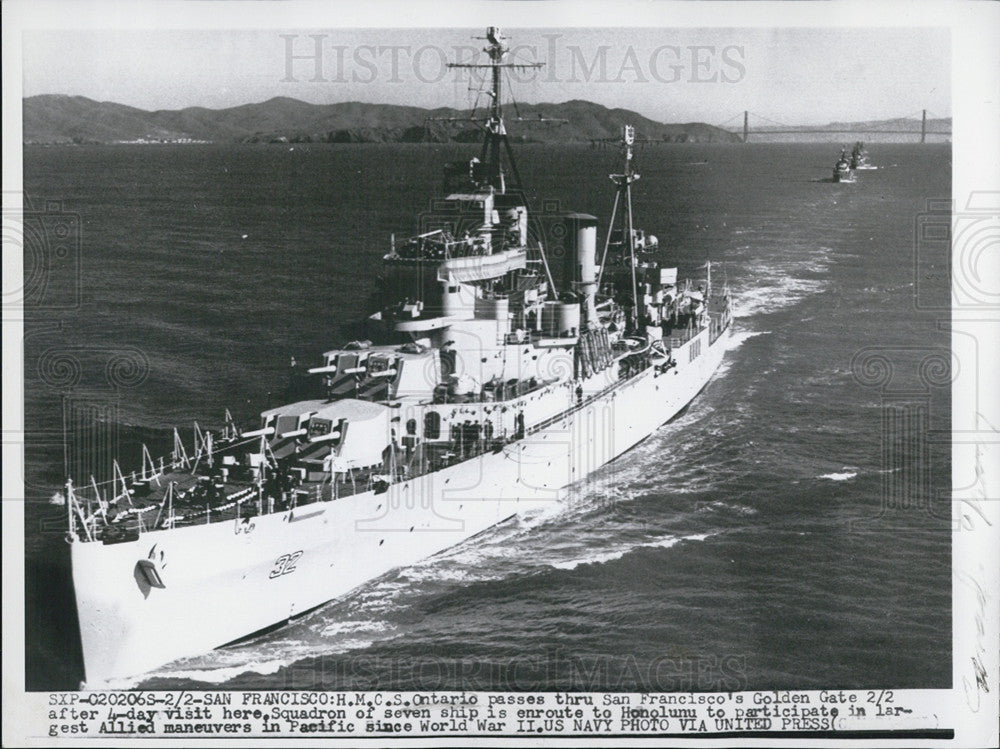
(785,531)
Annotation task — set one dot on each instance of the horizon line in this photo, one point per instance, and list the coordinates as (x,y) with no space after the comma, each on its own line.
(738,128)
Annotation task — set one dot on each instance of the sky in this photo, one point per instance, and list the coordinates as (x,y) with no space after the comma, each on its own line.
(785,75)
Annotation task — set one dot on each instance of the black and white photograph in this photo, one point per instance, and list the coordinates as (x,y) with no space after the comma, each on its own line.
(501,372)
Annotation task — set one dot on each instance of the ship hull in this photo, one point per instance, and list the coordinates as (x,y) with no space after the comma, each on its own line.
(182,592)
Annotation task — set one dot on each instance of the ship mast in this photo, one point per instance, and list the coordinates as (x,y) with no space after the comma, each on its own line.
(624,182)
(495,132)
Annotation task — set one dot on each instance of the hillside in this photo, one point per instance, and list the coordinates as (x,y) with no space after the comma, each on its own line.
(53,118)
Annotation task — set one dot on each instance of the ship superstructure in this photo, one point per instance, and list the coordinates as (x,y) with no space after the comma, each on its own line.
(507,358)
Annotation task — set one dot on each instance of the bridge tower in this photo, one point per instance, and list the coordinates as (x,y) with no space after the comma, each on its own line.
(746,126)
(923,127)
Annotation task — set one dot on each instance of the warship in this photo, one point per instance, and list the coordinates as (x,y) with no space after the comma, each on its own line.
(859,157)
(842,170)
(505,360)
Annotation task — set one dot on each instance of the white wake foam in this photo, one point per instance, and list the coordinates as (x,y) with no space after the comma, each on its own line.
(348,626)
(207,674)
(772,296)
(226,673)
(720,506)
(842,476)
(604,557)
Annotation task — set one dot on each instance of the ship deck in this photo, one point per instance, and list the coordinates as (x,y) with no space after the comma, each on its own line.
(197,492)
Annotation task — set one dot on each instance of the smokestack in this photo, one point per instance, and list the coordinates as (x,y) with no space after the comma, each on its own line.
(582,228)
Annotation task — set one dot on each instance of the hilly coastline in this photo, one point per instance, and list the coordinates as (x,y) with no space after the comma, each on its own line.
(59,119)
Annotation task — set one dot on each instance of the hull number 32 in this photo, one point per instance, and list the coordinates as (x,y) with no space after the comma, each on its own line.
(285,564)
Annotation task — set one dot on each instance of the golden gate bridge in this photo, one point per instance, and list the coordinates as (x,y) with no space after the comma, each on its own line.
(766,127)
(885,127)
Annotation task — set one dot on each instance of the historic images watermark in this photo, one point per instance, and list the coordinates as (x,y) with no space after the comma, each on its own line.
(953,275)
(86,381)
(46,240)
(965,243)
(970,239)
(319,58)
(907,378)
(89,383)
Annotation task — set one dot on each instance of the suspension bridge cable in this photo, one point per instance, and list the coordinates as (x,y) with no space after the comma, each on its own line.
(767,119)
(734,117)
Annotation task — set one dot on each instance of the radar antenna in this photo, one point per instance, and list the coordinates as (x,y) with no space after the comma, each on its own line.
(495,132)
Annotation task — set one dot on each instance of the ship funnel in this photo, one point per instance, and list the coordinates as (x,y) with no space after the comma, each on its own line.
(581,230)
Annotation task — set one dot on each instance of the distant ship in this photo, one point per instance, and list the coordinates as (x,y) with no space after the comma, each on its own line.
(859,157)
(842,171)
(506,360)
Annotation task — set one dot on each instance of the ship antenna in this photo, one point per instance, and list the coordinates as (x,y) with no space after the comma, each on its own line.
(624,182)
(70,520)
(496,133)
(65,439)
(629,138)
